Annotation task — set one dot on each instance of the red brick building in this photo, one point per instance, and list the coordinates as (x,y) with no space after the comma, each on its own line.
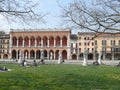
(32,42)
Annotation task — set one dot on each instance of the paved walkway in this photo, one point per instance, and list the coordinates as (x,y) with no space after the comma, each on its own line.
(106,62)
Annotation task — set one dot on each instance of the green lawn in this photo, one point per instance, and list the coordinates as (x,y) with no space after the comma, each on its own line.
(60,77)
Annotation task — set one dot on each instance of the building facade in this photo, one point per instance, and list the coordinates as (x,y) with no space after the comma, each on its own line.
(108,45)
(4,45)
(86,42)
(31,43)
(74,47)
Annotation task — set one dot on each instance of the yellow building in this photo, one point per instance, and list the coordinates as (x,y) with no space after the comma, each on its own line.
(108,45)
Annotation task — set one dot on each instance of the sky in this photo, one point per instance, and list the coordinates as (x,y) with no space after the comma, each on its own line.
(53,19)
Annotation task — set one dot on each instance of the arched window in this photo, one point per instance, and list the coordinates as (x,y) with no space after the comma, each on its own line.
(32,41)
(14,41)
(57,41)
(20,41)
(38,41)
(26,39)
(64,54)
(64,41)
(45,41)
(51,41)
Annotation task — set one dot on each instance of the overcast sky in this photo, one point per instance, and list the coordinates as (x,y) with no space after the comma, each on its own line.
(46,6)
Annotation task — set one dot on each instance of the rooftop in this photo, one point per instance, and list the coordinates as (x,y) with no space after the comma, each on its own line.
(34,30)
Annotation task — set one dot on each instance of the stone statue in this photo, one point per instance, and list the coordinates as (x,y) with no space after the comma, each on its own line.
(51,55)
(99,58)
(85,57)
(59,58)
(42,54)
(26,55)
(20,57)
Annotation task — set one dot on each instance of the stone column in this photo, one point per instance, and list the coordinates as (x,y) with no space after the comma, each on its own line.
(99,58)
(17,42)
(68,41)
(41,42)
(29,55)
(68,55)
(23,43)
(35,55)
(54,56)
(29,43)
(48,55)
(60,42)
(48,43)
(54,43)
(35,43)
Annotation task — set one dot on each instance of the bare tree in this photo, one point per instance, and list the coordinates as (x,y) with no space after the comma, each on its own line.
(25,10)
(95,15)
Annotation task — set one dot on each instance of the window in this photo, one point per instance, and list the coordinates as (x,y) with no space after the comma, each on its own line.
(112,42)
(103,49)
(79,49)
(84,38)
(88,44)
(104,42)
(79,44)
(92,44)
(85,44)
(95,42)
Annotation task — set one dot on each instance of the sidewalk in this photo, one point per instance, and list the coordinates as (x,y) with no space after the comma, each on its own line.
(105,62)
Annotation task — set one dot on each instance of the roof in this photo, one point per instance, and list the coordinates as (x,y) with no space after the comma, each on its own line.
(74,36)
(39,30)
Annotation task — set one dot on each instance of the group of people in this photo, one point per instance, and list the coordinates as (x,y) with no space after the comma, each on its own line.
(34,63)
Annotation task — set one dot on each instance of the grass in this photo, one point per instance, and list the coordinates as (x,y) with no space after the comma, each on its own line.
(60,77)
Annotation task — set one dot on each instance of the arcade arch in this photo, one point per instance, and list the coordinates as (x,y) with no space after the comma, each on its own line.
(26,39)
(64,41)
(14,41)
(38,54)
(57,41)
(64,54)
(14,54)
(20,41)
(51,41)
(74,57)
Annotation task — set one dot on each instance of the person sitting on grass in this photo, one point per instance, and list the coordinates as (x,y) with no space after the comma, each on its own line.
(34,63)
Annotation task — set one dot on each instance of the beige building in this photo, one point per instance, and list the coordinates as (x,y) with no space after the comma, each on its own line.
(86,42)
(108,45)
(4,46)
